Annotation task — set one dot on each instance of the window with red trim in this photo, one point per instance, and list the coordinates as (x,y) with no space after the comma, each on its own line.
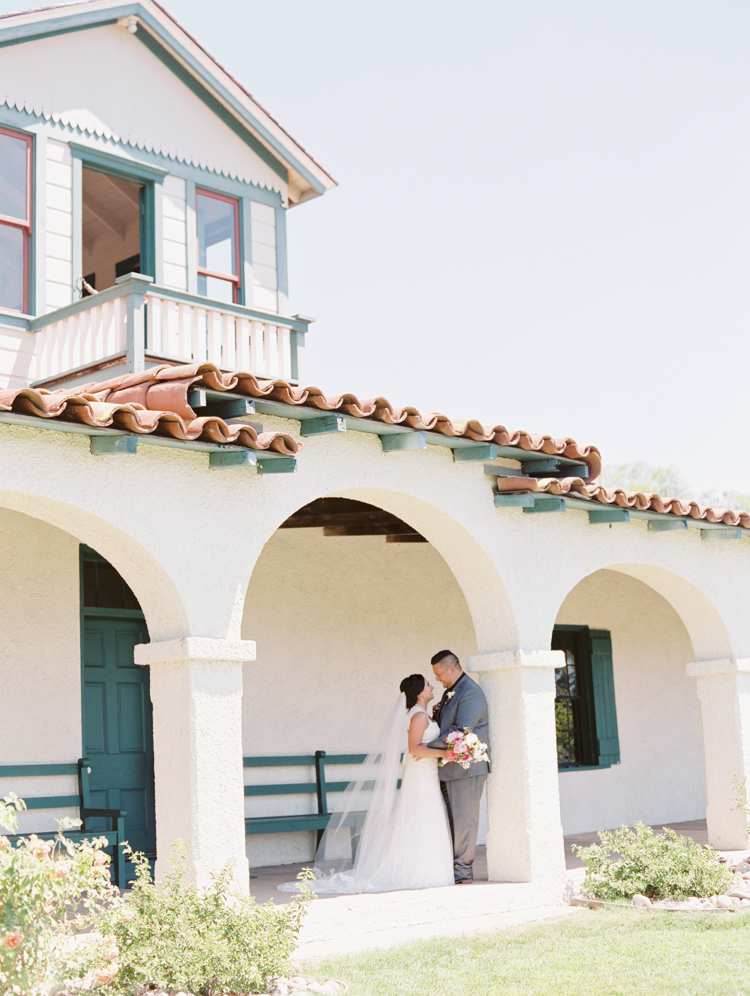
(15,219)
(218,246)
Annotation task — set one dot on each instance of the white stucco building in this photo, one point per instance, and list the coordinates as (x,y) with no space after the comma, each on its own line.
(205,560)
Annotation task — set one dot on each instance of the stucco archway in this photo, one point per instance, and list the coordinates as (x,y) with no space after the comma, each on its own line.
(155,590)
(672,752)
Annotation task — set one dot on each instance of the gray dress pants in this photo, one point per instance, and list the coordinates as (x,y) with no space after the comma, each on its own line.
(462,797)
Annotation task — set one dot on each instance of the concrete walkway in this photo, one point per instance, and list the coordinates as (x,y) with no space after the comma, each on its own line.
(344,924)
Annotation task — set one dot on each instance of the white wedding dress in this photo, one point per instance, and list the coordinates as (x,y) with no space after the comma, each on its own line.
(411,848)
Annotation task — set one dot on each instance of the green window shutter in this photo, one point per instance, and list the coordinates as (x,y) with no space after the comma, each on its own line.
(603,683)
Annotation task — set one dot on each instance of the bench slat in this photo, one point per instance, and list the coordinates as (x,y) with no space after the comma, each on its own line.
(30,770)
(53,802)
(286,824)
(292,761)
(345,758)
(286,788)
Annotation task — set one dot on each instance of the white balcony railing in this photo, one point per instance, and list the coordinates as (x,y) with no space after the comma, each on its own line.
(137,323)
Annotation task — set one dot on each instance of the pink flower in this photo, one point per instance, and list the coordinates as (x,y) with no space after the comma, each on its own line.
(107,973)
(127,916)
(112,953)
(61,870)
(12,939)
(100,858)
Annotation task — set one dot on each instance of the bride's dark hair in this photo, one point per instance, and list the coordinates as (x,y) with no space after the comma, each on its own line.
(412,687)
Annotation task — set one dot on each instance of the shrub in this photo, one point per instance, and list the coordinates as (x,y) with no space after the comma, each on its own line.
(49,892)
(660,866)
(210,941)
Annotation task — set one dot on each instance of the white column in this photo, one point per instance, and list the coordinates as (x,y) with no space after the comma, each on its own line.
(524,840)
(724,693)
(196,691)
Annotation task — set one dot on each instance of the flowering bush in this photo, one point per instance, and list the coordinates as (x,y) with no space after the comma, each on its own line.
(50,890)
(171,936)
(660,866)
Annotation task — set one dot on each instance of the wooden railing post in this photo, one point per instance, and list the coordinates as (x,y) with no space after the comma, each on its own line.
(135,303)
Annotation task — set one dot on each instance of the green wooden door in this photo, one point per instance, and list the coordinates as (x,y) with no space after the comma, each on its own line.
(117,725)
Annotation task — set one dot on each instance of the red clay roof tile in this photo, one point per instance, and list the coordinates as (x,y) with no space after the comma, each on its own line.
(623,499)
(89,407)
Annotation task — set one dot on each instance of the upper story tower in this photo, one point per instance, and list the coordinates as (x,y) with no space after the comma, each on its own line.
(143,196)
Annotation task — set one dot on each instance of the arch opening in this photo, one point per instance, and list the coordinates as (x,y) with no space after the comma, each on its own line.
(351,593)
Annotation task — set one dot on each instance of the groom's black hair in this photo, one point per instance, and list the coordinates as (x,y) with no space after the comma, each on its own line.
(442,655)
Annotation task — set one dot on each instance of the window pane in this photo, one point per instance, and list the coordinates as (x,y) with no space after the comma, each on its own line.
(216,245)
(216,289)
(11,267)
(13,177)
(108,587)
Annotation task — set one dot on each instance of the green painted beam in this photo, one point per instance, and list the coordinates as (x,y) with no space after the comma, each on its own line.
(232,458)
(404,441)
(547,503)
(542,465)
(602,515)
(494,471)
(514,500)
(727,533)
(323,426)
(107,445)
(276,465)
(667,525)
(226,408)
(482,451)
(345,758)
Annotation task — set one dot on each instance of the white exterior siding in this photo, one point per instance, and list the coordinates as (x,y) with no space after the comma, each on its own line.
(661,775)
(263,219)
(175,233)
(59,224)
(155,110)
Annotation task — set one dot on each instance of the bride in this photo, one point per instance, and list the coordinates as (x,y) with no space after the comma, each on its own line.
(386,838)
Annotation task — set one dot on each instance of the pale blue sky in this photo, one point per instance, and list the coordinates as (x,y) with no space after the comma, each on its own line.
(543,213)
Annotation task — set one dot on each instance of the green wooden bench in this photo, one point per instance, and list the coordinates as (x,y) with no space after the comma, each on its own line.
(115,837)
(319,787)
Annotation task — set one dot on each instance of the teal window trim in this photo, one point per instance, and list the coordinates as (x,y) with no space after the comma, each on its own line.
(599,711)
(245,291)
(150,177)
(118,165)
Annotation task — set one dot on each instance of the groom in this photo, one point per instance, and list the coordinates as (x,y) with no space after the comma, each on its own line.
(463,705)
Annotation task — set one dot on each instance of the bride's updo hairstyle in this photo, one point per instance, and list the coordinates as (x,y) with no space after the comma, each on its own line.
(412,687)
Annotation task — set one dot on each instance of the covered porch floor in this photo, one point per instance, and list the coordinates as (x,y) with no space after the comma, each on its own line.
(340,924)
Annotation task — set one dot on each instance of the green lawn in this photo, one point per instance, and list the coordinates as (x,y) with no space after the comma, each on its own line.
(629,952)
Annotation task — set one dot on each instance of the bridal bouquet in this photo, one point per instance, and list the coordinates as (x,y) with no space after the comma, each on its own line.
(464,748)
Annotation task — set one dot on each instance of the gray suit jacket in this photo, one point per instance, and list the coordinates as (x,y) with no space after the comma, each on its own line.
(467,707)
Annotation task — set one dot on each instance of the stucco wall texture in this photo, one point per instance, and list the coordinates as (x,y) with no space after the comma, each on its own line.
(661,777)
(338,622)
(40,659)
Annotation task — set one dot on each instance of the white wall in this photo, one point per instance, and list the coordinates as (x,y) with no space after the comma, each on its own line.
(339,621)
(175,233)
(40,661)
(263,232)
(59,234)
(661,775)
(107,82)
(16,356)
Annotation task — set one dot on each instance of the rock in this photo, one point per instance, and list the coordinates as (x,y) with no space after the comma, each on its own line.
(724,903)
(639,900)
(315,987)
(743,868)
(739,894)
(744,902)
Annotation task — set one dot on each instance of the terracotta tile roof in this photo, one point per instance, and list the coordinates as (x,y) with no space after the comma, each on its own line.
(167,387)
(575,486)
(89,406)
